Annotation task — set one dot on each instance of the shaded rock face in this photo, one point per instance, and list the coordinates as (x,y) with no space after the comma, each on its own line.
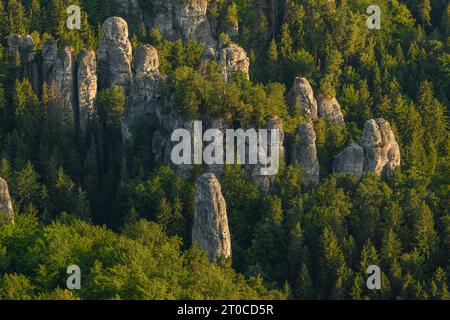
(233,58)
(129,8)
(87,87)
(59,67)
(31,65)
(6,209)
(266,183)
(114,54)
(329,108)
(16,42)
(304,151)
(145,98)
(210,231)
(301,99)
(379,149)
(181,19)
(350,160)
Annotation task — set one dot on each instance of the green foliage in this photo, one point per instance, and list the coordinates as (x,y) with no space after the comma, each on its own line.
(300,242)
(140,263)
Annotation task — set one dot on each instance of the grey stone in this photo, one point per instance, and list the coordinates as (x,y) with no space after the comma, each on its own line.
(6,208)
(210,231)
(301,99)
(87,87)
(115,54)
(330,109)
(305,153)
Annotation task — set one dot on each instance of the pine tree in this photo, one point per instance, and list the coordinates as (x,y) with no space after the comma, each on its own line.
(34,16)
(286,42)
(424,12)
(16,20)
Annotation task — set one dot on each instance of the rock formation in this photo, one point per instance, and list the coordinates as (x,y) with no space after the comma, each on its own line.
(350,160)
(59,67)
(130,10)
(304,151)
(210,231)
(233,58)
(376,152)
(115,54)
(6,209)
(181,20)
(87,87)
(266,181)
(16,42)
(329,108)
(145,99)
(301,99)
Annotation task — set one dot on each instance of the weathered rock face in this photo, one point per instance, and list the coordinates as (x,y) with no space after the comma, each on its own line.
(210,231)
(181,19)
(16,42)
(129,9)
(115,54)
(146,60)
(381,153)
(6,209)
(329,108)
(87,87)
(145,99)
(233,58)
(266,182)
(350,160)
(301,99)
(59,68)
(304,151)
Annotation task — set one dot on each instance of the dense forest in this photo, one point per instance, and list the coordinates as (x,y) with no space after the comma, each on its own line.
(125,218)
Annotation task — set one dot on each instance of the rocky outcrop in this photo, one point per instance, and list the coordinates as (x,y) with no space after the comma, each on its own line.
(87,87)
(266,182)
(330,109)
(381,153)
(6,208)
(114,54)
(145,99)
(59,68)
(350,160)
(381,150)
(210,231)
(301,99)
(233,59)
(130,10)
(181,20)
(305,153)
(17,42)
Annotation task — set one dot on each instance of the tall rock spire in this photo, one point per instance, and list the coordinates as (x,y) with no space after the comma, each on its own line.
(210,231)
